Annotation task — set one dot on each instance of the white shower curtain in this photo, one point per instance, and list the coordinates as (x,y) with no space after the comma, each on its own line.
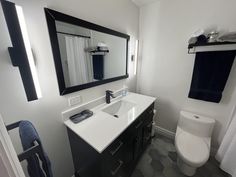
(79,61)
(226,154)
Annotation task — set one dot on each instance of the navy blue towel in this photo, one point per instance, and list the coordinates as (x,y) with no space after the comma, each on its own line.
(28,136)
(98,67)
(210,74)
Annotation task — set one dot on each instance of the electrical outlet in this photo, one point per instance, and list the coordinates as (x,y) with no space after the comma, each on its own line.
(75,100)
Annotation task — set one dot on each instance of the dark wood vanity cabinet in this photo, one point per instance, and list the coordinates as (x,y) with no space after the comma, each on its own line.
(120,157)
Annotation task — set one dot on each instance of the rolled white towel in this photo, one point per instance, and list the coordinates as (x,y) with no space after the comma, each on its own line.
(228,37)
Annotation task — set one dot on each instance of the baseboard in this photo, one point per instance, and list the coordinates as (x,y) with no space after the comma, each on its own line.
(165,132)
(213,151)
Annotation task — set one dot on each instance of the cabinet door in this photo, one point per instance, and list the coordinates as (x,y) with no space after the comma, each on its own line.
(147,130)
(130,135)
(147,127)
(137,141)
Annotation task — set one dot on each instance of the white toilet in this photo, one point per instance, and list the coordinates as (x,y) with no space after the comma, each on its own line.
(193,141)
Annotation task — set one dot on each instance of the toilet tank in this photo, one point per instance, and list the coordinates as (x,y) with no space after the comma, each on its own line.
(196,124)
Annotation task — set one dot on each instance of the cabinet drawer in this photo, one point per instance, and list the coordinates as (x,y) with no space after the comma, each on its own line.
(116,147)
(147,131)
(131,132)
(148,114)
(112,165)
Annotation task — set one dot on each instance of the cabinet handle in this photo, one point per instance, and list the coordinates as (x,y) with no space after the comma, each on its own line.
(113,172)
(147,137)
(139,124)
(117,148)
(149,125)
(151,111)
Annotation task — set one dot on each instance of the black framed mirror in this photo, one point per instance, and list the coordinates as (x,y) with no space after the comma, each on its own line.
(85,54)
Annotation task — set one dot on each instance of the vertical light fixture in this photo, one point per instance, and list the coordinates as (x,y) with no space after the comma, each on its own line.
(21,53)
(136,56)
(24,32)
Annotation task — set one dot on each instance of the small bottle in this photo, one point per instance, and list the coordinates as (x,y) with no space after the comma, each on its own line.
(124,91)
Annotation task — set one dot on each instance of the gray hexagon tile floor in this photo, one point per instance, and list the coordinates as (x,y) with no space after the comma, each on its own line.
(159,160)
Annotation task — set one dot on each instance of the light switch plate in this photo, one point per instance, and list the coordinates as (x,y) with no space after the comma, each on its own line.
(75,100)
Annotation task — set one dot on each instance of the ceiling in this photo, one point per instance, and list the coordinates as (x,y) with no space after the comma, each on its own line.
(142,2)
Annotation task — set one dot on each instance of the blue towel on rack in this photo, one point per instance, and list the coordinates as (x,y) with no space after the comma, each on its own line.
(210,74)
(28,136)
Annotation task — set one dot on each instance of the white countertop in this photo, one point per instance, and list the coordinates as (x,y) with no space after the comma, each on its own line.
(102,129)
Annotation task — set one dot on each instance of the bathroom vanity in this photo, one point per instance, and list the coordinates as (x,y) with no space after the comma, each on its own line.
(109,143)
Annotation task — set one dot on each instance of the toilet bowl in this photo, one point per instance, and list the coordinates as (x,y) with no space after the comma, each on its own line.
(193,141)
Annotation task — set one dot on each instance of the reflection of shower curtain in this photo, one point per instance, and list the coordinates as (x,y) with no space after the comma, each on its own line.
(226,154)
(79,61)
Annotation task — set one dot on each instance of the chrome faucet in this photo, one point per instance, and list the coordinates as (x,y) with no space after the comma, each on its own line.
(109,94)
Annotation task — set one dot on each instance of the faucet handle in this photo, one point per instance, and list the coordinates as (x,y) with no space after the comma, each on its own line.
(109,91)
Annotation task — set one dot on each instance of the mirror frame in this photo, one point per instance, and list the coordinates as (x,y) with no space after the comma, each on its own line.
(51,17)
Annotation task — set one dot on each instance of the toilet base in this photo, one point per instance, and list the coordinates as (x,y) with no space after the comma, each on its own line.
(185,168)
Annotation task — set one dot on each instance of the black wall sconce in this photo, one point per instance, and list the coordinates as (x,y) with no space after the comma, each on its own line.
(20,53)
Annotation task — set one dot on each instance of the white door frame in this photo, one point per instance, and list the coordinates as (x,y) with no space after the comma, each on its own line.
(9,162)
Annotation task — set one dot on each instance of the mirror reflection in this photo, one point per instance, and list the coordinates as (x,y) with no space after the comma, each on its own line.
(88,55)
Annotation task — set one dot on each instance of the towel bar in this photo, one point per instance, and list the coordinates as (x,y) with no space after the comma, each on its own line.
(216,46)
(36,149)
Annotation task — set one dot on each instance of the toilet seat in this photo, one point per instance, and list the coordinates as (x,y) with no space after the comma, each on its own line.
(192,149)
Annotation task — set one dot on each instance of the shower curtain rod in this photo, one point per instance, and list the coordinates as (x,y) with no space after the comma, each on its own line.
(73,34)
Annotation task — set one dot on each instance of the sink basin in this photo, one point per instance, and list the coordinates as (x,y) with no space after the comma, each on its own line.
(119,108)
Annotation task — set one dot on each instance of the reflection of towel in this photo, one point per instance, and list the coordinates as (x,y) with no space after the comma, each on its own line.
(98,67)
(28,135)
(211,71)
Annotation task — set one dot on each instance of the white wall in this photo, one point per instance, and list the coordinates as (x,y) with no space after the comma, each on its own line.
(166,68)
(45,113)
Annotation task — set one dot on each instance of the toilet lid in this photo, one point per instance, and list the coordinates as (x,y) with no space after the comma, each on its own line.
(192,149)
